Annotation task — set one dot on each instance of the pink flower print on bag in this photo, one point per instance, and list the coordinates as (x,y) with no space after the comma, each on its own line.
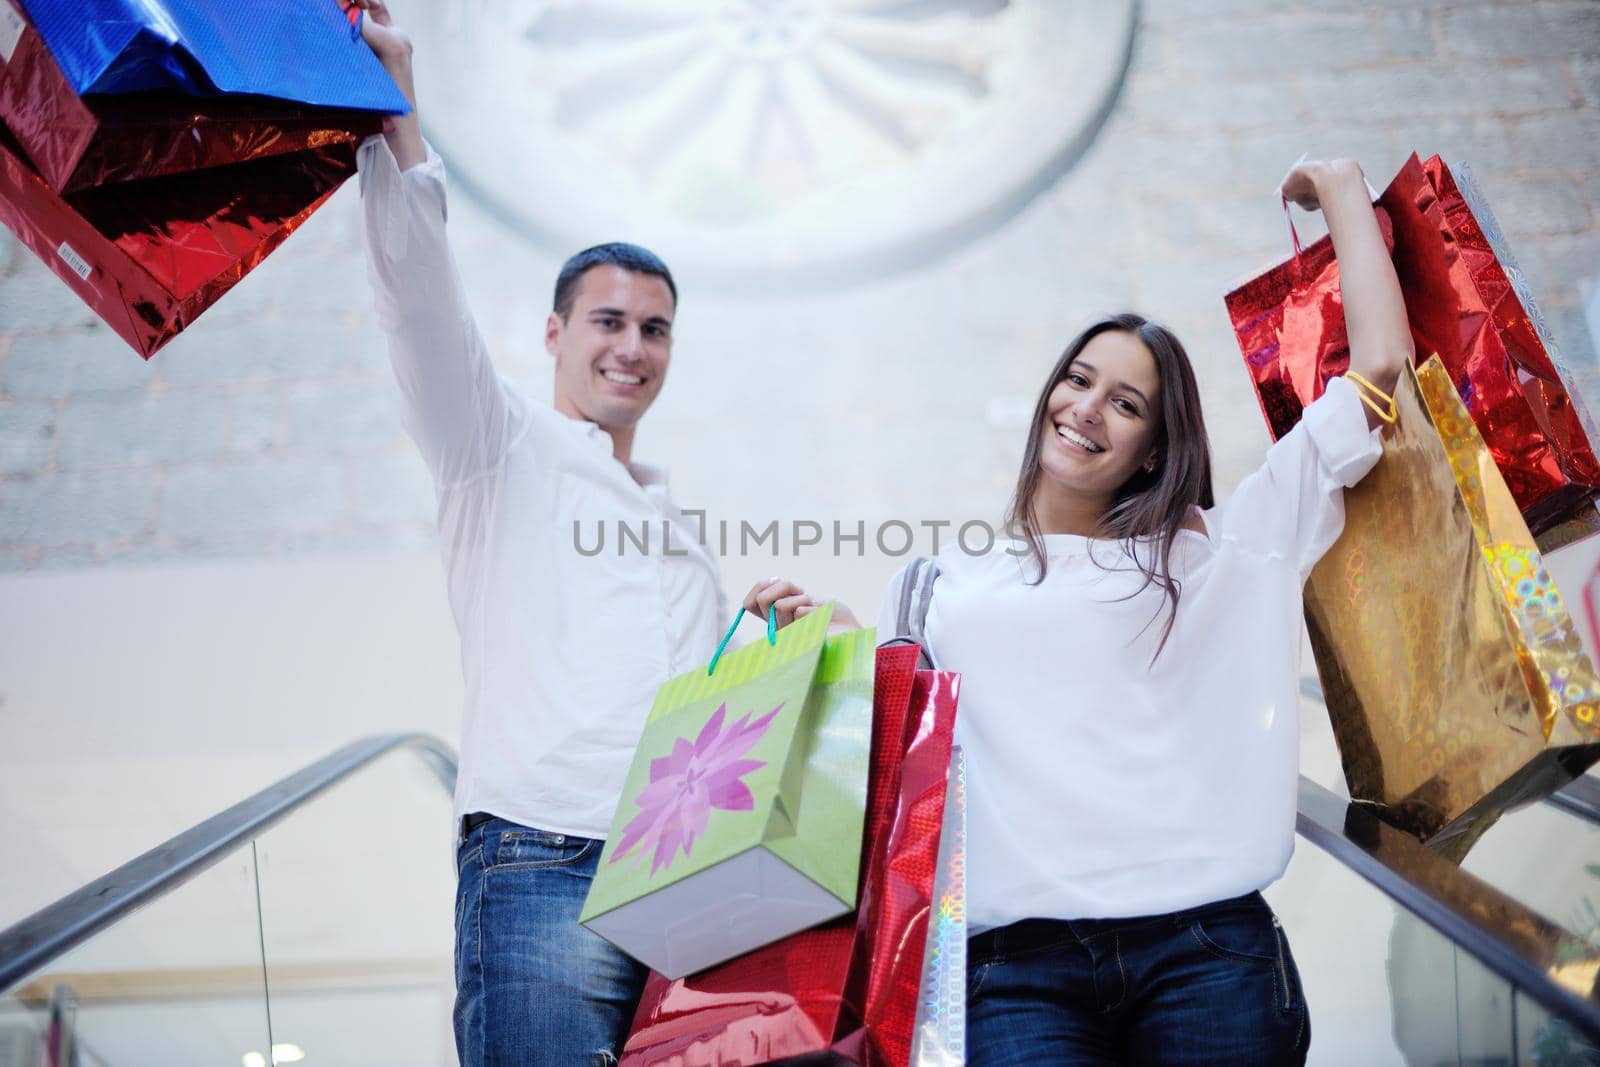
(688,782)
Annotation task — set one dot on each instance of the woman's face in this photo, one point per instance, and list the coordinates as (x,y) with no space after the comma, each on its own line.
(1103,417)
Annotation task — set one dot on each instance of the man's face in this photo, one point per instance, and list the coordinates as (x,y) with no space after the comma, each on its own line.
(612,350)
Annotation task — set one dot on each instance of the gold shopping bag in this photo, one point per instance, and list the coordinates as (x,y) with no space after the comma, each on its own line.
(1456,682)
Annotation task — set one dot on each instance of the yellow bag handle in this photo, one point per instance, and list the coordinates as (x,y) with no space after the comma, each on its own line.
(1388,412)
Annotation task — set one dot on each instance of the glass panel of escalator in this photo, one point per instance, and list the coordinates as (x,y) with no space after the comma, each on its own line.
(1548,860)
(1543,855)
(1338,928)
(1551,1042)
(178,983)
(357,899)
(1386,989)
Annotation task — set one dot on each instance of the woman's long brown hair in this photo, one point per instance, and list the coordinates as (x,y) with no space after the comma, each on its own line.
(1152,504)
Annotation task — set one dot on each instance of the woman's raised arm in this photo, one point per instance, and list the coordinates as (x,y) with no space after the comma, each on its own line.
(1374,312)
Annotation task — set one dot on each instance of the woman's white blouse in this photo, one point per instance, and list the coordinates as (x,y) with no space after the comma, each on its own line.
(1103,786)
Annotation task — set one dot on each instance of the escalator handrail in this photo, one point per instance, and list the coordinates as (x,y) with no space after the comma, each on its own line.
(1519,946)
(44,936)
(1484,922)
(1580,797)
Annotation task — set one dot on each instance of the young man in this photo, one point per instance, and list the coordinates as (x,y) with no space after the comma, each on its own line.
(562,652)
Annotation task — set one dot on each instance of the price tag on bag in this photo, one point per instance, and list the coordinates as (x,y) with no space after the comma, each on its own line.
(70,257)
(11,26)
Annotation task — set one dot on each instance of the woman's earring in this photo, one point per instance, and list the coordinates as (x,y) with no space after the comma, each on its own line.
(1150,465)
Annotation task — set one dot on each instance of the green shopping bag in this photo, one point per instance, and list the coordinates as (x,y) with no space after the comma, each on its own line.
(740,821)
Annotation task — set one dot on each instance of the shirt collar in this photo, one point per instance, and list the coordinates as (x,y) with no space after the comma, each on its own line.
(646,474)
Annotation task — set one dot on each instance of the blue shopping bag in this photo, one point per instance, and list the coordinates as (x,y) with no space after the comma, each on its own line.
(301,50)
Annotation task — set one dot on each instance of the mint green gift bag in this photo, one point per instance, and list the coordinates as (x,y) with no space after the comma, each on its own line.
(740,821)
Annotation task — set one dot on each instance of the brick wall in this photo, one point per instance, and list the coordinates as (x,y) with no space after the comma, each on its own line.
(271,427)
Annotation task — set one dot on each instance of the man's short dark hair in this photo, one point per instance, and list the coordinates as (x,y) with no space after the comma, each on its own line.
(615,254)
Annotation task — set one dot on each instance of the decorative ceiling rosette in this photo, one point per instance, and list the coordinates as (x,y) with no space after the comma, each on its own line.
(762,141)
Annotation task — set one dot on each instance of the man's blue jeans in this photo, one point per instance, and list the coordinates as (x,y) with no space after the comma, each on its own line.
(1211,985)
(532,986)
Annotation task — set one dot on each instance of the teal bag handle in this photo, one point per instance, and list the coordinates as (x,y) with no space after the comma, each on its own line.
(772,636)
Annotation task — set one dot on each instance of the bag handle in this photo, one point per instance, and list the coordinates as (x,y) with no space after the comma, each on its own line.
(354,14)
(772,635)
(912,591)
(1371,395)
(1294,235)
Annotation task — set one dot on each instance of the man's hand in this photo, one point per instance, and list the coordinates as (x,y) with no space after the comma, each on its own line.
(392,46)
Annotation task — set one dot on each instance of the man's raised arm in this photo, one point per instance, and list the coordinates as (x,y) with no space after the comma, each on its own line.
(455,407)
(393,49)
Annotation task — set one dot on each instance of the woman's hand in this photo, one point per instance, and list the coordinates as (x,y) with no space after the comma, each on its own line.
(791,603)
(779,594)
(842,619)
(1304,184)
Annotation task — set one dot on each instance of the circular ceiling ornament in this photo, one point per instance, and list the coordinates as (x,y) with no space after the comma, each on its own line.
(766,141)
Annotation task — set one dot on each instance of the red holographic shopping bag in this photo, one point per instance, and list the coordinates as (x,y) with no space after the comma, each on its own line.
(897,900)
(150,256)
(153,152)
(847,991)
(1467,302)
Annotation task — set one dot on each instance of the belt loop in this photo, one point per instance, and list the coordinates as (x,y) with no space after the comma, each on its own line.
(470,822)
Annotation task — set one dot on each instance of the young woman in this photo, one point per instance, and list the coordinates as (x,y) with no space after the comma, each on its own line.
(1129,694)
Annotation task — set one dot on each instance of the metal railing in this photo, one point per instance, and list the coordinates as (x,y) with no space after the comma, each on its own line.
(1551,965)
(52,931)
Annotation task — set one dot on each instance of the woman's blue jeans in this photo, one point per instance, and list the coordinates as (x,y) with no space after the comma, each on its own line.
(1210,985)
(532,986)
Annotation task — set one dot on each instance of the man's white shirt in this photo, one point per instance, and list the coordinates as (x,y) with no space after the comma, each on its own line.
(561,652)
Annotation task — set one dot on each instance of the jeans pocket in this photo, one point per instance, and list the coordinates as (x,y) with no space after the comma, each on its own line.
(1242,934)
(1254,938)
(1288,973)
(527,849)
(465,858)
(975,977)
(469,899)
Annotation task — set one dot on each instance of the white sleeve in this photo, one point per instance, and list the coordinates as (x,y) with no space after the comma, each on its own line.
(456,408)
(1292,506)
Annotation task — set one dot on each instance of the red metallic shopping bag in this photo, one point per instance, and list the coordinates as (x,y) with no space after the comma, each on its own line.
(847,991)
(75,142)
(896,904)
(150,256)
(151,205)
(1468,303)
